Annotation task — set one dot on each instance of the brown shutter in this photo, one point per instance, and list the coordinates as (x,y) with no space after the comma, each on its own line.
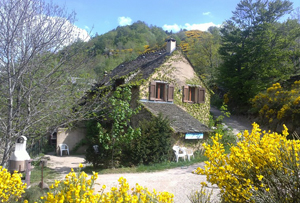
(152,91)
(170,92)
(201,95)
(185,93)
(165,98)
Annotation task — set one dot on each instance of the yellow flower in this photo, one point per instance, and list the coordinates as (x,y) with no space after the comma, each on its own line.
(260,177)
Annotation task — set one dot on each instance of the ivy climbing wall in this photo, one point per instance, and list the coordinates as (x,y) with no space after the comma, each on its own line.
(178,71)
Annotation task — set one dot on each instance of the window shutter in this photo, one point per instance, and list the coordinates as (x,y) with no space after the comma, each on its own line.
(152,91)
(170,93)
(165,98)
(201,95)
(185,93)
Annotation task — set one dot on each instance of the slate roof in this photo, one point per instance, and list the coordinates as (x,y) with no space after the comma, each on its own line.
(143,66)
(181,121)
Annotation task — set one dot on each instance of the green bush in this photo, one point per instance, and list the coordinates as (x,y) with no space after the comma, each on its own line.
(154,145)
(228,137)
(101,155)
(33,194)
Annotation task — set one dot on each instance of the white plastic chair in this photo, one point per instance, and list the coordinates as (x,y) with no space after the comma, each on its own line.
(188,153)
(96,149)
(176,150)
(63,147)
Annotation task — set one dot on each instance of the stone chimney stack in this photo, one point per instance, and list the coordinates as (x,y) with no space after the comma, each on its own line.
(171,45)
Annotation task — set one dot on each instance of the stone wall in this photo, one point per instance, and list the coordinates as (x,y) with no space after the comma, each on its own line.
(70,137)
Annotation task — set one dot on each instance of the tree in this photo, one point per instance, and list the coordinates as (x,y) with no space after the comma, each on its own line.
(206,58)
(296,48)
(255,48)
(155,143)
(37,70)
(113,128)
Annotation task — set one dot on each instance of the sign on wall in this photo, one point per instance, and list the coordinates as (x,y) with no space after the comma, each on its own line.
(193,136)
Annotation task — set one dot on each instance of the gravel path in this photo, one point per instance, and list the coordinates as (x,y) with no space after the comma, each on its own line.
(179,181)
(237,123)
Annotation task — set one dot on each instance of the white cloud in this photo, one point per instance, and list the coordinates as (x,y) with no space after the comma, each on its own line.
(124,21)
(206,13)
(202,27)
(174,28)
(187,26)
(66,28)
(79,33)
(75,34)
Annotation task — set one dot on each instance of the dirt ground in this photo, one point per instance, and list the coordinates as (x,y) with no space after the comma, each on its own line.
(179,181)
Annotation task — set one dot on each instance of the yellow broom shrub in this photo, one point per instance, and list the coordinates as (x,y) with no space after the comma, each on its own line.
(261,167)
(77,187)
(11,186)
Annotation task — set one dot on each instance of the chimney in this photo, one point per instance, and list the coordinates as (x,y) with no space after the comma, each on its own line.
(171,45)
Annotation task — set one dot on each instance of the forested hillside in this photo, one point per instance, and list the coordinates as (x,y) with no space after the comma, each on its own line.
(127,42)
(124,44)
(257,47)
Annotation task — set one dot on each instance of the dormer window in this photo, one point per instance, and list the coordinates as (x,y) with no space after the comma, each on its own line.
(161,91)
(193,94)
(119,81)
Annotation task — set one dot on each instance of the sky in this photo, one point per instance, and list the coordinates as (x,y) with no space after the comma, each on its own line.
(102,16)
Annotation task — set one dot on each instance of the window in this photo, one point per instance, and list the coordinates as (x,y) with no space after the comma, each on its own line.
(161,91)
(118,82)
(193,94)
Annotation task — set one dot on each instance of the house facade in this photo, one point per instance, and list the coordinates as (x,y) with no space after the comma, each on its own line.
(163,82)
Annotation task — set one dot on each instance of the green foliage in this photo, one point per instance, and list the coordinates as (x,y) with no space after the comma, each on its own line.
(147,168)
(124,43)
(36,174)
(216,100)
(92,139)
(256,49)
(114,131)
(201,49)
(219,127)
(155,143)
(33,194)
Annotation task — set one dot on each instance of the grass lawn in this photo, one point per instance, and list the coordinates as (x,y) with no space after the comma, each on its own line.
(152,167)
(146,168)
(33,193)
(48,174)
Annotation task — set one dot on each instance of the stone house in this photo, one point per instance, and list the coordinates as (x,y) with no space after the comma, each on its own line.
(162,82)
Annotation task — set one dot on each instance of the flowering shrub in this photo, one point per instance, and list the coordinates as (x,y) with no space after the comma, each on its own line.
(77,188)
(11,186)
(262,166)
(277,105)
(201,196)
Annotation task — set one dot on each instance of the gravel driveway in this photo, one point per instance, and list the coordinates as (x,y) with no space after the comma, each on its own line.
(179,181)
